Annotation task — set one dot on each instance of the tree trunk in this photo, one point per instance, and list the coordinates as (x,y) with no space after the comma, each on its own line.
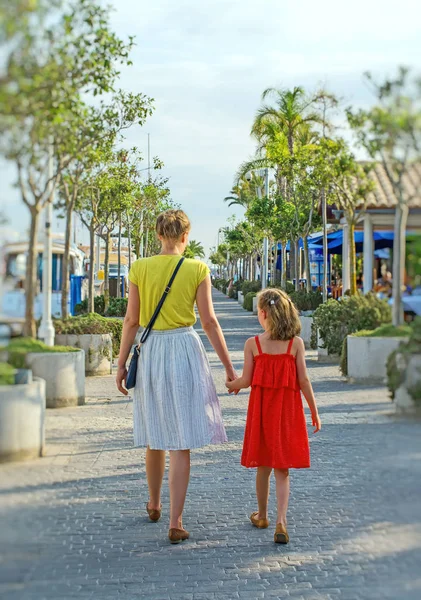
(399,249)
(325,246)
(352,259)
(307,263)
(107,272)
(129,242)
(284,266)
(292,260)
(119,259)
(31,275)
(66,261)
(297,267)
(91,291)
(137,247)
(146,248)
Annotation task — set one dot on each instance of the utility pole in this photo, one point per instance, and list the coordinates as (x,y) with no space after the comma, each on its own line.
(46,330)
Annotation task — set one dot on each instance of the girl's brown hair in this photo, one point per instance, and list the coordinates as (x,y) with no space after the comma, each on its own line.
(282,316)
(172,224)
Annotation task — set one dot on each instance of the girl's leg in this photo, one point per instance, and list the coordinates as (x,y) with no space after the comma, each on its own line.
(179,476)
(155,468)
(262,490)
(282,494)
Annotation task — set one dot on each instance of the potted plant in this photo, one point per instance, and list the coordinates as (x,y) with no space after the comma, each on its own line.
(61,367)
(365,353)
(306,303)
(22,416)
(404,372)
(98,336)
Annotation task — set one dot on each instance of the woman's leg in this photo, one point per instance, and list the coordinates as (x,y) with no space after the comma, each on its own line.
(282,494)
(179,476)
(155,468)
(262,490)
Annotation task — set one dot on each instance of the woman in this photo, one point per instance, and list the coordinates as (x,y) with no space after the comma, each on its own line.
(175,405)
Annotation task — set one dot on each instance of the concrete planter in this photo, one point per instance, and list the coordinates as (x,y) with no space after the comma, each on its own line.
(64,375)
(367,356)
(322,354)
(411,371)
(255,305)
(306,321)
(240,298)
(22,421)
(98,351)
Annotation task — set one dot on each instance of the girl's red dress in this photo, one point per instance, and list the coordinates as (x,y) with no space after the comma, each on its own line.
(276,431)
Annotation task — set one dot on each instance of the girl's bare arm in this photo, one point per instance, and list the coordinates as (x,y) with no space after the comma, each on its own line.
(244,381)
(305,383)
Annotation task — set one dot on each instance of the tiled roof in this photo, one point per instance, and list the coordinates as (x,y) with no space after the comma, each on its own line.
(383,195)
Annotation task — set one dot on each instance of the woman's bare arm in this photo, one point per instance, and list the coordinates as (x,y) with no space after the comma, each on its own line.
(130,328)
(211,326)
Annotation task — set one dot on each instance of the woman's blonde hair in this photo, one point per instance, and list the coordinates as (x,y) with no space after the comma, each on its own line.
(282,316)
(172,224)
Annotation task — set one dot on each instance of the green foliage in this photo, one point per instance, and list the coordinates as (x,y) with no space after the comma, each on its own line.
(221,285)
(117,307)
(398,362)
(92,324)
(251,286)
(194,250)
(82,307)
(337,319)
(248,301)
(306,300)
(19,347)
(7,374)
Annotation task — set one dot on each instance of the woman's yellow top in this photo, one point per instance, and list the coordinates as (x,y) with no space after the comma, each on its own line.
(152,275)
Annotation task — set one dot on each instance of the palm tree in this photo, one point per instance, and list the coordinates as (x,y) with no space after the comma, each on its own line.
(291,111)
(194,250)
(244,191)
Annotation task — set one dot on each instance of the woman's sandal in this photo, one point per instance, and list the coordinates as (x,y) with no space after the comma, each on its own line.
(178,535)
(259,523)
(154,513)
(281,534)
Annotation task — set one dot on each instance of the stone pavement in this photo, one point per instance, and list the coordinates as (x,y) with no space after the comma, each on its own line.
(73,525)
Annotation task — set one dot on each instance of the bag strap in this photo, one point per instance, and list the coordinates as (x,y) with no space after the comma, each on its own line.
(154,317)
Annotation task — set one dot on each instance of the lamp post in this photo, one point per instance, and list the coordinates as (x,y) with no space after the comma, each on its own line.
(46,330)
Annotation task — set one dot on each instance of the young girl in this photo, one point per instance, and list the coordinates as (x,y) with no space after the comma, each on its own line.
(276,434)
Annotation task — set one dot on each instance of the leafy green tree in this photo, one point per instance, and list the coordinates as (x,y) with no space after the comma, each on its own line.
(390,132)
(39,105)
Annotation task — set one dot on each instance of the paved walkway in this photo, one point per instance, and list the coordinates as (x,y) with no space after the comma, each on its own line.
(72,525)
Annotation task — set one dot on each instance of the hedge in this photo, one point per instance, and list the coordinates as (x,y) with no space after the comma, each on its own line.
(248,301)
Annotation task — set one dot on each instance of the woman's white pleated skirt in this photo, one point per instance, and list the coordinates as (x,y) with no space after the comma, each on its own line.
(175,405)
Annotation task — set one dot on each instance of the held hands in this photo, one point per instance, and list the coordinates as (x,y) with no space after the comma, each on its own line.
(121,380)
(316,422)
(231,376)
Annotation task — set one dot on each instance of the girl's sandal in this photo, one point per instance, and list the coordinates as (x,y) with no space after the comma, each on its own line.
(154,513)
(281,534)
(259,523)
(178,535)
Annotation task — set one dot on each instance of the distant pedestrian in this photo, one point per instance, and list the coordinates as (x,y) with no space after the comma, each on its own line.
(276,433)
(175,405)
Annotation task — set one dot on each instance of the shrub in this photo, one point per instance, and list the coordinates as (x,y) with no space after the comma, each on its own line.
(337,319)
(306,300)
(387,330)
(117,307)
(92,324)
(248,301)
(251,286)
(7,374)
(19,347)
(232,293)
(99,306)
(396,370)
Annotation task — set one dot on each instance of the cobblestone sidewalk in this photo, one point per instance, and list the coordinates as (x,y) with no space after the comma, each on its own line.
(72,525)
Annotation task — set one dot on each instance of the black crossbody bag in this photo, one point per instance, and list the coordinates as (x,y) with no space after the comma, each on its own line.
(132,370)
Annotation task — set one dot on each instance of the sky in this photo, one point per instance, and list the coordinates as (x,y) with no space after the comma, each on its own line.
(206,64)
